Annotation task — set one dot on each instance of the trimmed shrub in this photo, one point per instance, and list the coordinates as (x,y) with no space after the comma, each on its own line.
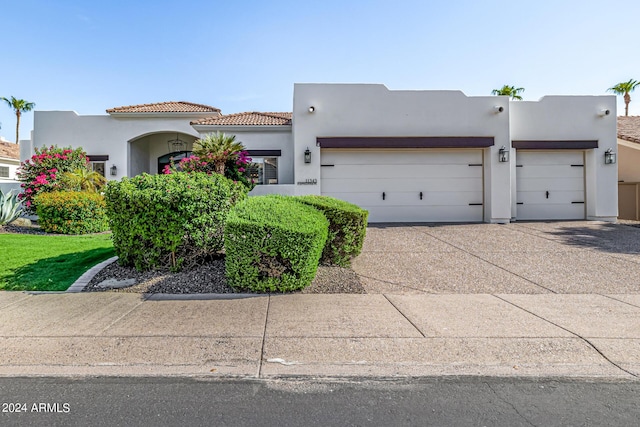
(71,212)
(169,221)
(273,244)
(347,228)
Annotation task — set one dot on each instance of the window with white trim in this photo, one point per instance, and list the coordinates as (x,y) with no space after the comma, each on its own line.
(4,171)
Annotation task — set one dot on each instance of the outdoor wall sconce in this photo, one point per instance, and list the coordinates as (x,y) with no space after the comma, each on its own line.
(604,113)
(114,170)
(609,157)
(312,109)
(498,109)
(307,155)
(503,154)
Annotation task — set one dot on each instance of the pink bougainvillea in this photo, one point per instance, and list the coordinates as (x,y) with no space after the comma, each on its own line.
(42,171)
(234,166)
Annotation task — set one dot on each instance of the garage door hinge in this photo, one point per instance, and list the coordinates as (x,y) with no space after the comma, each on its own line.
(475,164)
(327,166)
(577,166)
(518,166)
(475,204)
(519,203)
(577,203)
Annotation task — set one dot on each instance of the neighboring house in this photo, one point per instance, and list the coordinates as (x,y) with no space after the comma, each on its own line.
(418,156)
(629,167)
(9,161)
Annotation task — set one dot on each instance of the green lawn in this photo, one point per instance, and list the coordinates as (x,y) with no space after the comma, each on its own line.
(49,262)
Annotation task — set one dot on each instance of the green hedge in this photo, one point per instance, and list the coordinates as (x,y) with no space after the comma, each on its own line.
(273,243)
(71,212)
(169,221)
(347,228)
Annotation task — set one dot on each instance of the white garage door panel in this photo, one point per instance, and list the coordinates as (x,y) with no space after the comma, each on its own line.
(555,197)
(547,158)
(447,181)
(550,171)
(404,157)
(410,198)
(551,212)
(419,213)
(548,186)
(401,171)
(568,184)
(330,185)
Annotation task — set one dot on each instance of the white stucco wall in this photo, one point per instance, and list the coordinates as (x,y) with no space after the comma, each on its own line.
(100,135)
(374,110)
(575,118)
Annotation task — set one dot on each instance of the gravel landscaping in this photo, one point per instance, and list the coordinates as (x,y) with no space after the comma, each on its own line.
(209,278)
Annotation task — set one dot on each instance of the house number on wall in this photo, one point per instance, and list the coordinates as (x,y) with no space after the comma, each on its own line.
(308,181)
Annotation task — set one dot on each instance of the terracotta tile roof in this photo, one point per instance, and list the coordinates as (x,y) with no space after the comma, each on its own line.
(629,128)
(250,118)
(10,150)
(165,107)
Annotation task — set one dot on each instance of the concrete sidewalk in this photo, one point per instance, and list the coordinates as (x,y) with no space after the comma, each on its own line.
(373,335)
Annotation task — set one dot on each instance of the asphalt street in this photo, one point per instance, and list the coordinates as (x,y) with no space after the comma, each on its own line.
(443,401)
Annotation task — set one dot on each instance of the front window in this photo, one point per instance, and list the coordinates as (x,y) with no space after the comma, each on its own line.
(98,167)
(263,170)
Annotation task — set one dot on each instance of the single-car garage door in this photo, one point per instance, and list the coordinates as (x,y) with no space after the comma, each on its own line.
(404,185)
(550,185)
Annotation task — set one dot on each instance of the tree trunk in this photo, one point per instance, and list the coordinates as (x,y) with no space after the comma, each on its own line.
(219,166)
(17,125)
(627,100)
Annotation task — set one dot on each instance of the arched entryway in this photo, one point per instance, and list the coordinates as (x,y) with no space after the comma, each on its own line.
(151,152)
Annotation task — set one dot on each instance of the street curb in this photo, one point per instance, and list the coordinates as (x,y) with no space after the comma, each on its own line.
(199,297)
(84,280)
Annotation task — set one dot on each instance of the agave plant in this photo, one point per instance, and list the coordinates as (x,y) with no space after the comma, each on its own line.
(10,208)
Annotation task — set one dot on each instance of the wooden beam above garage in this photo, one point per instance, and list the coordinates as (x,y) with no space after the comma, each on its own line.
(405,142)
(555,145)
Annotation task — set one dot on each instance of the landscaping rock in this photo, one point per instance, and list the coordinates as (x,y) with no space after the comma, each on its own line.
(208,278)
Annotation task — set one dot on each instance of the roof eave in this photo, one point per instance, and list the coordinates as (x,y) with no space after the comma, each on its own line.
(198,115)
(241,128)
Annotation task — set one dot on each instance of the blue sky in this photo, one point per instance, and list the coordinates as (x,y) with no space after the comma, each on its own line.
(246,55)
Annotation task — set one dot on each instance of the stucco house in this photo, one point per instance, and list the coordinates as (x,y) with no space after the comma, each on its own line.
(629,167)
(9,161)
(417,156)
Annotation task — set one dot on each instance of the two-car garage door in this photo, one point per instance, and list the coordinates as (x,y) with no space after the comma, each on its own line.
(422,185)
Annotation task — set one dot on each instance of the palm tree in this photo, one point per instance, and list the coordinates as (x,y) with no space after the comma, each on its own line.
(510,91)
(83,180)
(19,106)
(625,88)
(218,148)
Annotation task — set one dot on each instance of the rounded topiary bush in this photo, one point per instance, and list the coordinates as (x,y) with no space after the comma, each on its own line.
(169,221)
(273,244)
(71,212)
(347,228)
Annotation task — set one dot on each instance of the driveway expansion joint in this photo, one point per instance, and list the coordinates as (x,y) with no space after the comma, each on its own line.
(586,340)
(404,315)
(487,261)
(264,338)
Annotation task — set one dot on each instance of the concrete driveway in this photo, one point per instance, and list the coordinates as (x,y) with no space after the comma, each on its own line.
(518,258)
